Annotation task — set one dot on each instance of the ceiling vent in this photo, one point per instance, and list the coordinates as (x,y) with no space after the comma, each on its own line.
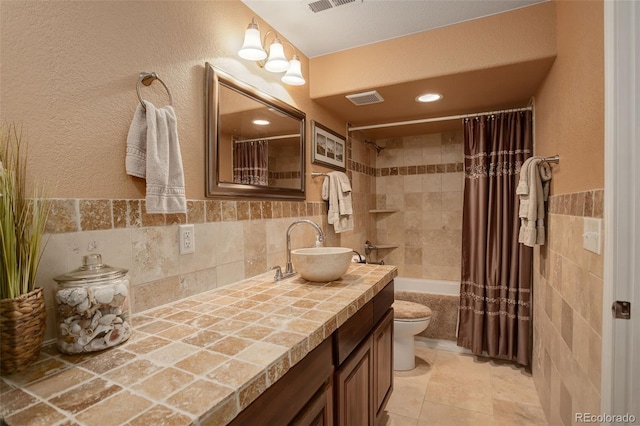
(320,5)
(365,98)
(341,2)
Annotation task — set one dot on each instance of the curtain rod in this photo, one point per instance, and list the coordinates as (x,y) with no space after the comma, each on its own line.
(296,135)
(435,119)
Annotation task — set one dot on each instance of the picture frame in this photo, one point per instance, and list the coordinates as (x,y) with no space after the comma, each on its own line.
(328,148)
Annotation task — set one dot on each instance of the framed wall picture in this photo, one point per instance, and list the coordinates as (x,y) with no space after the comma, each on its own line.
(328,148)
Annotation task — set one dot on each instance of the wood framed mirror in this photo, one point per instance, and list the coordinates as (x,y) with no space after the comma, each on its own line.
(246,157)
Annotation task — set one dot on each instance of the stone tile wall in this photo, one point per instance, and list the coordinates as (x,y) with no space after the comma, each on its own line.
(568,311)
(422,177)
(234,240)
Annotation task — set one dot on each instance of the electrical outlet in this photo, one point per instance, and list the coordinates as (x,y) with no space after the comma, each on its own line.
(187,239)
(592,234)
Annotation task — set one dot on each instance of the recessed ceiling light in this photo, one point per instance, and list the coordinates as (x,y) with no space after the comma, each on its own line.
(429,97)
(261,122)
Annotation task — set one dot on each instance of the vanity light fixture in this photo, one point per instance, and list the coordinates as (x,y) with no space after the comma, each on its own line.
(273,60)
(429,97)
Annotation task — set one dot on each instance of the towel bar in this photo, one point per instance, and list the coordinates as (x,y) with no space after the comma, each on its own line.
(147,78)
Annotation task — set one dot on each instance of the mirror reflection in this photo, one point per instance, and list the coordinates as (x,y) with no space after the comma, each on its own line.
(255,143)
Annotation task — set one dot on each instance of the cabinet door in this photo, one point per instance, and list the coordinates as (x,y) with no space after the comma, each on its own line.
(383,362)
(354,380)
(319,411)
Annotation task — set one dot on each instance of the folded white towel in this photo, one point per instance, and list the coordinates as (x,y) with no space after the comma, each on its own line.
(336,188)
(158,155)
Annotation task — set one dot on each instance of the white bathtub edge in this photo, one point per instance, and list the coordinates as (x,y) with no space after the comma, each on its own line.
(420,285)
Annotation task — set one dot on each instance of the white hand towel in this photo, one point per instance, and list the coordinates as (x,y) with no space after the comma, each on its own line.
(339,201)
(160,155)
(137,145)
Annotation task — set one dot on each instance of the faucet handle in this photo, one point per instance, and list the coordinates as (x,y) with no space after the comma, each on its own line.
(279,275)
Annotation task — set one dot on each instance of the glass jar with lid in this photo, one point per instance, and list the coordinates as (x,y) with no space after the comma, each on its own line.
(92,307)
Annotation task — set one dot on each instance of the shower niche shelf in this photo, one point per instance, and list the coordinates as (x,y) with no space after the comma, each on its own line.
(383,211)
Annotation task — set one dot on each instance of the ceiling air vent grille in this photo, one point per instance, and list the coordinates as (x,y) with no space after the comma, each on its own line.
(365,98)
(341,2)
(320,5)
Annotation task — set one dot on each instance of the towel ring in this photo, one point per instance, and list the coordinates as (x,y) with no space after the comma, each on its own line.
(147,78)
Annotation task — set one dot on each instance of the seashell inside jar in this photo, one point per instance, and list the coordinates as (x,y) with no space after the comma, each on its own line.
(92,307)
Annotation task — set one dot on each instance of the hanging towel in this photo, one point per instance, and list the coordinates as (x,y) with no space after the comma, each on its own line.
(137,145)
(533,191)
(153,153)
(336,188)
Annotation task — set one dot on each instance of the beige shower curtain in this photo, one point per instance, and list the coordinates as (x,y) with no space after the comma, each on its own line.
(495,293)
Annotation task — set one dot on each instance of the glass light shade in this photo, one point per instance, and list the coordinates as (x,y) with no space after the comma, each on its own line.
(277,62)
(294,73)
(252,47)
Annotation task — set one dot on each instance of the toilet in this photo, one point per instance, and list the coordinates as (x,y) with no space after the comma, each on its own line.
(409,319)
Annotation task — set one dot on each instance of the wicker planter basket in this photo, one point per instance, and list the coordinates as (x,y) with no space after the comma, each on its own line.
(22,326)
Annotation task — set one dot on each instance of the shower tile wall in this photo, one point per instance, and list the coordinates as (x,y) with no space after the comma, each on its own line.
(422,178)
(360,170)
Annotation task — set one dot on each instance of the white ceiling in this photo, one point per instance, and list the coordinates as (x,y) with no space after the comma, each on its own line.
(352,23)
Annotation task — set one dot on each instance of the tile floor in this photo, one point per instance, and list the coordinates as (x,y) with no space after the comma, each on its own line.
(449,388)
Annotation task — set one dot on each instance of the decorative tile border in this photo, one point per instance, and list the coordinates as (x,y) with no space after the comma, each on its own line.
(73,215)
(583,204)
(421,169)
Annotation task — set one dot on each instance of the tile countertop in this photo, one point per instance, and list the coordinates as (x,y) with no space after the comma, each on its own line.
(199,360)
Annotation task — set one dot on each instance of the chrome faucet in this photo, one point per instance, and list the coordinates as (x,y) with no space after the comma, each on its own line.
(289,269)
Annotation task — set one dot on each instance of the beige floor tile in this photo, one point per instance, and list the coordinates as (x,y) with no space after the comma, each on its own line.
(407,397)
(460,389)
(511,383)
(509,413)
(445,415)
(467,393)
(390,419)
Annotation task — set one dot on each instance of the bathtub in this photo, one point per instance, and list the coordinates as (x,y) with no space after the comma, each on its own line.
(432,288)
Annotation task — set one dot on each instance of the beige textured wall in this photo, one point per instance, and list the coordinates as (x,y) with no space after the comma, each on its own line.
(503,39)
(69,72)
(569,121)
(569,113)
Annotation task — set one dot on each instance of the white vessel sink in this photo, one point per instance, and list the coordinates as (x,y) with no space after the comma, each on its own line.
(321,264)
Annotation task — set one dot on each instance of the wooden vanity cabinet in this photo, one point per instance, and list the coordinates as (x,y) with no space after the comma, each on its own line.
(364,356)
(382,342)
(354,383)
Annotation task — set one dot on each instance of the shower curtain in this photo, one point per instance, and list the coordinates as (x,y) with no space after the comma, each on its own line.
(250,162)
(495,292)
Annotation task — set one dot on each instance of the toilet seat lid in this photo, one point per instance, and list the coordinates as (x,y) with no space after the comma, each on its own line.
(410,311)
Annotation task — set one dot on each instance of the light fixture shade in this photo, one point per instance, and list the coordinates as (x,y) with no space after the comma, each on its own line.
(277,62)
(294,73)
(252,47)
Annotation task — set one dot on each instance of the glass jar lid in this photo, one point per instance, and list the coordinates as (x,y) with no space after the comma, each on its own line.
(92,270)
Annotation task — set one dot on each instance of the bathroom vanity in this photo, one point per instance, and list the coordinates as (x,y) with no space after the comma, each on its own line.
(254,352)
(352,368)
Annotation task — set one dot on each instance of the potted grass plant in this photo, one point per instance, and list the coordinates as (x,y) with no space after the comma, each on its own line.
(23,216)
